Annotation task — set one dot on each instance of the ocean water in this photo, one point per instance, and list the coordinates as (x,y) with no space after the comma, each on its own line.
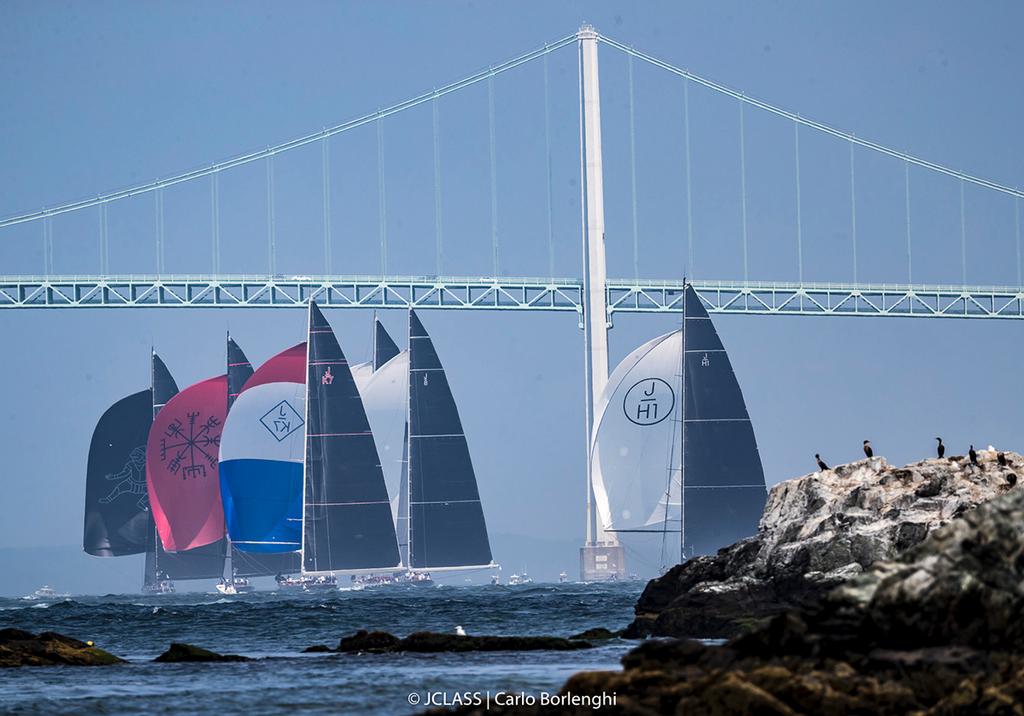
(274,627)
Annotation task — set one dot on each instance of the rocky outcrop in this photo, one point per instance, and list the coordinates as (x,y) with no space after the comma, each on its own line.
(22,648)
(425,642)
(817,531)
(187,652)
(936,632)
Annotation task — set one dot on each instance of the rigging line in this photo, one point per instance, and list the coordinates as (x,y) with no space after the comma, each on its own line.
(799,213)
(299,141)
(271,247)
(689,183)
(547,149)
(438,236)
(963,236)
(820,126)
(494,174)
(632,170)
(215,220)
(743,190)
(325,159)
(382,206)
(906,192)
(853,211)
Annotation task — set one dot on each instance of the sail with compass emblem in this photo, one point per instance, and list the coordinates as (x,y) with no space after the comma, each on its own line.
(705,481)
(182,466)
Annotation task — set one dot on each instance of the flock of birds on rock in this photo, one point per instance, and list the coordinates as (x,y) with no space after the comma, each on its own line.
(940,450)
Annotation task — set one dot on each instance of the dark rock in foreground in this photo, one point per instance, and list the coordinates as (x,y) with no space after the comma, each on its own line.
(597,634)
(425,642)
(817,531)
(938,632)
(186,652)
(22,648)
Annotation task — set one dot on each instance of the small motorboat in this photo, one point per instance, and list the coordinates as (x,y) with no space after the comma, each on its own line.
(45,592)
(235,585)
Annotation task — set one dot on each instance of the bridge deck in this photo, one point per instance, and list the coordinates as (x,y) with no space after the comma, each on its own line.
(505,294)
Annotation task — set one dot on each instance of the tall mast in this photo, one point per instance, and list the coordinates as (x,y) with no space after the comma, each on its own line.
(228,564)
(305,442)
(682,435)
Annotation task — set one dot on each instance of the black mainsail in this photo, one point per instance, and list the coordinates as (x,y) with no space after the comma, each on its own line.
(723,481)
(384,346)
(347,523)
(446,519)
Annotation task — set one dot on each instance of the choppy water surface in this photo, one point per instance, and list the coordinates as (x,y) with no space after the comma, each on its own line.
(276,627)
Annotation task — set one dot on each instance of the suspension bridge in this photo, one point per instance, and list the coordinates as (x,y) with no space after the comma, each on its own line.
(593,292)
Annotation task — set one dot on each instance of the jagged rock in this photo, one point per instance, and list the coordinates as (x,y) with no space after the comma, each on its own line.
(817,532)
(431,642)
(187,652)
(935,632)
(22,648)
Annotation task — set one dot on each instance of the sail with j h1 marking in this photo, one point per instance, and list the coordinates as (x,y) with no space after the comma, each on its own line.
(261,457)
(182,466)
(347,522)
(446,519)
(383,386)
(705,481)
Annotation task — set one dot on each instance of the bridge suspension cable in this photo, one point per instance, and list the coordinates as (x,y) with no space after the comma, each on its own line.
(214,220)
(382,200)
(819,126)
(689,178)
(547,156)
(302,141)
(438,226)
(632,170)
(325,158)
(494,173)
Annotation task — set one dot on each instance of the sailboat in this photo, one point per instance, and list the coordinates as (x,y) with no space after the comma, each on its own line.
(347,524)
(118,518)
(673,448)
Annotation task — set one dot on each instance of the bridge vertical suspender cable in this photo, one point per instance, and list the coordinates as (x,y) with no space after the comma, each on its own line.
(689,181)
(547,155)
(799,212)
(47,246)
(382,203)
(271,239)
(1016,227)
(906,194)
(853,209)
(632,169)
(215,220)
(743,192)
(963,236)
(494,173)
(104,241)
(438,226)
(159,195)
(325,159)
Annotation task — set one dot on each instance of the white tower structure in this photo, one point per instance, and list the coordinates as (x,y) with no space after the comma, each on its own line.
(601,556)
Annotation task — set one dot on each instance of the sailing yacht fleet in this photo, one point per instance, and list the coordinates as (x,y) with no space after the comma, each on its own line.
(310,468)
(305,469)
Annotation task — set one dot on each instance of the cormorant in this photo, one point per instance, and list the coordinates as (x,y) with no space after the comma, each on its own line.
(1001,459)
(973,455)
(1011,479)
(941,449)
(867,449)
(821,463)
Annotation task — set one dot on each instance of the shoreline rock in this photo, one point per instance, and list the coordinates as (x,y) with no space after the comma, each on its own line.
(424,642)
(22,648)
(817,532)
(178,653)
(936,632)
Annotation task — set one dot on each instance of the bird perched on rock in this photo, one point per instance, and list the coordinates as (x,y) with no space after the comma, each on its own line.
(821,463)
(941,449)
(459,631)
(973,455)
(867,449)
(1011,478)
(1001,459)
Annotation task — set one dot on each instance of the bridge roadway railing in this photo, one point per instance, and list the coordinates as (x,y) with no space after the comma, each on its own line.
(506,293)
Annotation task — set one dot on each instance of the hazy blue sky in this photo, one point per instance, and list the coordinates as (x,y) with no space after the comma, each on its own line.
(101,95)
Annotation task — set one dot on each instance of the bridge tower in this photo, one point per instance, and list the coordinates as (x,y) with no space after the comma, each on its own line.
(601,556)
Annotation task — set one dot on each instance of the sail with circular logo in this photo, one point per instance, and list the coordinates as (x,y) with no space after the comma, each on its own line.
(706,480)
(182,466)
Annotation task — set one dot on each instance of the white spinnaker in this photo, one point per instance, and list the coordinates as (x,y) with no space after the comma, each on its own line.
(385,394)
(266,423)
(635,447)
